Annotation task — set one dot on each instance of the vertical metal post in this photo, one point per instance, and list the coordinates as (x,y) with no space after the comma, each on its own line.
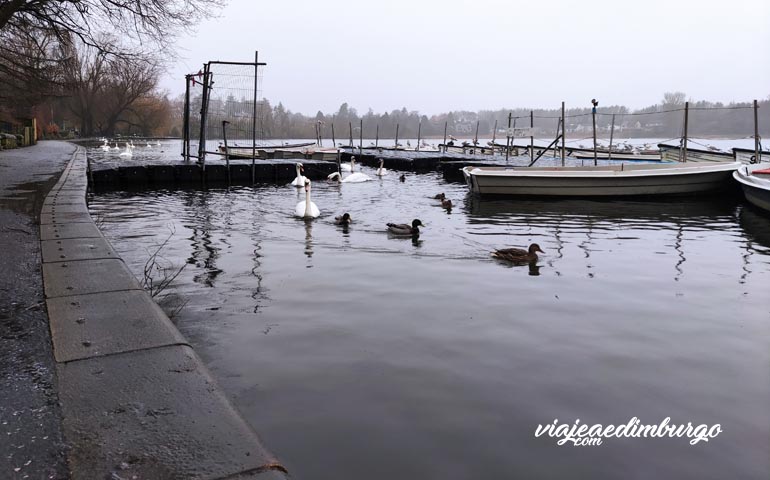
(686,116)
(361,138)
(757,158)
(445,125)
(508,137)
(227,153)
(494,135)
(186,121)
(350,124)
(513,138)
(476,138)
(593,119)
(563,132)
(419,134)
(396,136)
(204,114)
(254,121)
(377,137)
(334,140)
(532,135)
(612,132)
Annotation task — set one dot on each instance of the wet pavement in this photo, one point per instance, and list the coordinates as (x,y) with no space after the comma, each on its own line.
(31,444)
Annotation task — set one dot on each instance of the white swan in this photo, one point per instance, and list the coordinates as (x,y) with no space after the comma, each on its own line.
(128,151)
(381,172)
(116,147)
(348,167)
(300,180)
(306,208)
(356,177)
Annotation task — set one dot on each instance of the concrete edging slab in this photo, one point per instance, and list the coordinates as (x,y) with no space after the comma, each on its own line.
(137,401)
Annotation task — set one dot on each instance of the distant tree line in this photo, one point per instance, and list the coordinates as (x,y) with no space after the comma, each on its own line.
(664,119)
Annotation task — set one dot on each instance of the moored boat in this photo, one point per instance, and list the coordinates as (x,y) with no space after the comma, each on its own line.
(748,155)
(755,182)
(601,181)
(674,153)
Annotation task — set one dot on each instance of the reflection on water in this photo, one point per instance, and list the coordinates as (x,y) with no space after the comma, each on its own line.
(444,359)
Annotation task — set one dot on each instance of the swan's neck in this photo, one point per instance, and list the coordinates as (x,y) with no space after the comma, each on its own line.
(308,212)
(297,168)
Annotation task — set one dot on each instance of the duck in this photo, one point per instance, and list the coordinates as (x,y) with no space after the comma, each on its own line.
(405,229)
(439,196)
(518,255)
(381,172)
(344,219)
(446,203)
(299,182)
(402,178)
(306,208)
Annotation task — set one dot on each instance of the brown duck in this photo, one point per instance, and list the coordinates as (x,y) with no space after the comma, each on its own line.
(343,220)
(404,229)
(517,255)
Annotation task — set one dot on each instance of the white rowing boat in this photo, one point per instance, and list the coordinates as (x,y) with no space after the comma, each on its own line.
(755,181)
(601,181)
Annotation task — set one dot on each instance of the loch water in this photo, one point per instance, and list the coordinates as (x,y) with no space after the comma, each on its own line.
(355,354)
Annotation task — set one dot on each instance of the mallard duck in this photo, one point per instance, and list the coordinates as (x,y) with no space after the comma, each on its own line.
(402,178)
(517,255)
(405,229)
(446,203)
(343,220)
(440,196)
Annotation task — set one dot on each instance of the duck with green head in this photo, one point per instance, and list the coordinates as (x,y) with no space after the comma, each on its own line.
(518,255)
(403,229)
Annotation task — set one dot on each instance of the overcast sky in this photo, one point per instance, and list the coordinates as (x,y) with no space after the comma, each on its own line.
(438,55)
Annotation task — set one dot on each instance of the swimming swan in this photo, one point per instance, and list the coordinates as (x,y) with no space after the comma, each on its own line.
(381,172)
(306,208)
(300,180)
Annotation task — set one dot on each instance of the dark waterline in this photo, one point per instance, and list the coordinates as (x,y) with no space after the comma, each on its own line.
(358,355)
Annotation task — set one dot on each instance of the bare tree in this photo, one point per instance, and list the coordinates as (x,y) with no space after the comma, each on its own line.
(39,38)
(139,21)
(104,88)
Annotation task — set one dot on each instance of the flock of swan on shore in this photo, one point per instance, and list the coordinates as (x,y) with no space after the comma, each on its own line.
(309,210)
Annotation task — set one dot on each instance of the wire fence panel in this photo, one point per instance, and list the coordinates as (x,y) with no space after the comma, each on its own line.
(224,103)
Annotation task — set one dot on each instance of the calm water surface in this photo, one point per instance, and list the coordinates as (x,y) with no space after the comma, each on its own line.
(357,355)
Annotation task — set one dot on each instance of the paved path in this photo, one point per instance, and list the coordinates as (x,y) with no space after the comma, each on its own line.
(31,444)
(88,358)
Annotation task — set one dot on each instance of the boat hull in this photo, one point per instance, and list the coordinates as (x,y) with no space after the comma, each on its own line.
(604,181)
(669,153)
(755,188)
